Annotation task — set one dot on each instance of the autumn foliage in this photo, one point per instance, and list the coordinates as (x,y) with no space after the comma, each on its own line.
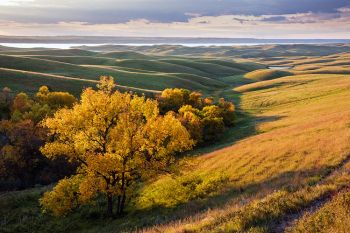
(118,139)
(113,141)
(205,120)
(21,163)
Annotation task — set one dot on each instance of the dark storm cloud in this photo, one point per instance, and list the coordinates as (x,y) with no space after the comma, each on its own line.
(119,11)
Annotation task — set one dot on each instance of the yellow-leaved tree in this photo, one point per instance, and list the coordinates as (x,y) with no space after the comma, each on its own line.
(118,139)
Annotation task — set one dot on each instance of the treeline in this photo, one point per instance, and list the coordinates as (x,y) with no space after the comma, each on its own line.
(105,143)
(22,164)
(204,119)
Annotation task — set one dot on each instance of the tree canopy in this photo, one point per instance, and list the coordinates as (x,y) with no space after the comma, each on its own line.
(118,139)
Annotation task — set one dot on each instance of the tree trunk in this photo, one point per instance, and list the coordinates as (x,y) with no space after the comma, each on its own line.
(118,204)
(109,205)
(121,198)
(122,204)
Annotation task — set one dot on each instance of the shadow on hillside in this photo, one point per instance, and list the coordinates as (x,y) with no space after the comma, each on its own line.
(161,215)
(92,220)
(245,126)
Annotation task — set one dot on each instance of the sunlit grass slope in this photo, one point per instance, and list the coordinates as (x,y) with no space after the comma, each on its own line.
(287,155)
(126,55)
(302,135)
(288,151)
(266,74)
(331,64)
(332,217)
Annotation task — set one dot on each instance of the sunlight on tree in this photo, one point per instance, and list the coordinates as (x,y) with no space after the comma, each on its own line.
(119,140)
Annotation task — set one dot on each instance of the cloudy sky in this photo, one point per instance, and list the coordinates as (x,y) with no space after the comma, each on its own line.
(182,18)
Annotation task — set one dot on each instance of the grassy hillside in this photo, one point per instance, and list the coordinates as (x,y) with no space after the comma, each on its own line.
(126,55)
(54,52)
(332,217)
(123,76)
(156,68)
(257,51)
(130,69)
(211,69)
(284,166)
(331,64)
(300,148)
(16,80)
(266,74)
(300,136)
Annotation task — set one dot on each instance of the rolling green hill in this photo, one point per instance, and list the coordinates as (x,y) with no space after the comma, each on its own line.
(266,74)
(54,52)
(256,51)
(130,69)
(126,55)
(123,75)
(283,167)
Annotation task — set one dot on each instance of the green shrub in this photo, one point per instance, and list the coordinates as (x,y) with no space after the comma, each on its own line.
(171,191)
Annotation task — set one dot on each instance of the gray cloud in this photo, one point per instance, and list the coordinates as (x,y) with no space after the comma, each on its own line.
(206,18)
(119,11)
(278,18)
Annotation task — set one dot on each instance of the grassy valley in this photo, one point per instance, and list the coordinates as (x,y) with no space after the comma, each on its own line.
(130,69)
(283,167)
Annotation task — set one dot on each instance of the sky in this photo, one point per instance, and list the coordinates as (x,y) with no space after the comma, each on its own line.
(323,19)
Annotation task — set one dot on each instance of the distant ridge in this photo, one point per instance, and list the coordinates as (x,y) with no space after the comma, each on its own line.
(158,40)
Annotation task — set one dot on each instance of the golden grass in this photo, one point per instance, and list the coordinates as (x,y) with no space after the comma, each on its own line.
(332,217)
(266,74)
(302,134)
(312,132)
(332,64)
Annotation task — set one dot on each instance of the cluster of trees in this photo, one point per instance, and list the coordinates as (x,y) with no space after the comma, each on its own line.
(118,140)
(21,136)
(112,141)
(205,120)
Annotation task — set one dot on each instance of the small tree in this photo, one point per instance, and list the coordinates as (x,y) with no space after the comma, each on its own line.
(54,99)
(173,99)
(119,139)
(191,118)
(227,112)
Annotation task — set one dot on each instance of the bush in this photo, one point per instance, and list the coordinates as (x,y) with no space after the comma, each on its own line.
(213,128)
(171,191)
(173,99)
(63,198)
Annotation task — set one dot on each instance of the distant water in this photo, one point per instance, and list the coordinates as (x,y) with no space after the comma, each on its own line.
(280,67)
(67,46)
(39,45)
